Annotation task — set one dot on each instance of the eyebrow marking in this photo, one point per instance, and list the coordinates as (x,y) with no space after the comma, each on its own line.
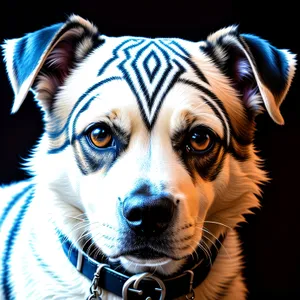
(66,132)
(236,144)
(215,104)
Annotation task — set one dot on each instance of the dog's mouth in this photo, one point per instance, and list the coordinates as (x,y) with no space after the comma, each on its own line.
(145,253)
(144,257)
(147,262)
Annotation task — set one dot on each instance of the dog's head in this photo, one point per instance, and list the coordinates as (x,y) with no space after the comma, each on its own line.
(150,140)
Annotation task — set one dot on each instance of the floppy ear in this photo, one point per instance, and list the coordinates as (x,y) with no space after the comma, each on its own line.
(49,53)
(258,71)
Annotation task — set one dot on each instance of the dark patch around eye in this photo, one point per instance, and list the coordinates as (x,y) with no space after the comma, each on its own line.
(122,135)
(178,138)
(91,159)
(207,164)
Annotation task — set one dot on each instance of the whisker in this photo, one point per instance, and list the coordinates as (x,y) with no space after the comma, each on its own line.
(81,217)
(207,247)
(98,252)
(212,242)
(218,223)
(207,231)
(77,227)
(205,252)
(209,255)
(203,229)
(85,233)
(93,243)
(76,218)
(73,244)
(87,241)
(195,252)
(118,267)
(74,229)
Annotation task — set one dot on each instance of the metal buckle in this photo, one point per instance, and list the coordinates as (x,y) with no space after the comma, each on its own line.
(136,279)
(191,294)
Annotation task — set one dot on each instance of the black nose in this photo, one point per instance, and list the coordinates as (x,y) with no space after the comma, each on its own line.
(148,215)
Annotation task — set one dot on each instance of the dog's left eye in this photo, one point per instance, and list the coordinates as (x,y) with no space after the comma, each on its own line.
(100,135)
(200,140)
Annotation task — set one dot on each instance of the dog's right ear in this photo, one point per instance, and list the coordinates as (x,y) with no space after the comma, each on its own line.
(43,59)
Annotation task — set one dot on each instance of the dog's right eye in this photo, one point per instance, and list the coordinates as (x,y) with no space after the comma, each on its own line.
(100,135)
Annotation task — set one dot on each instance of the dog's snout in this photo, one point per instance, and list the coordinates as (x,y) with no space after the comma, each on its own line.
(148,215)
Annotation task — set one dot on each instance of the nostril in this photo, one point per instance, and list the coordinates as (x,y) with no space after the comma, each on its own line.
(133,214)
(163,211)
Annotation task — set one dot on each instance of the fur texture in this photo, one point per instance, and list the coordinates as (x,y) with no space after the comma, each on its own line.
(179,120)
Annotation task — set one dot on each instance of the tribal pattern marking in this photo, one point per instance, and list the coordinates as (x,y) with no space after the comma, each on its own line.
(150,68)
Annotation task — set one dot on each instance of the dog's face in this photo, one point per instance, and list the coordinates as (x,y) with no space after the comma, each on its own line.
(150,141)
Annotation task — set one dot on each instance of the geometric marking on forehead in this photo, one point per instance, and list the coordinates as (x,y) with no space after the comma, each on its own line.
(150,68)
(150,91)
(151,65)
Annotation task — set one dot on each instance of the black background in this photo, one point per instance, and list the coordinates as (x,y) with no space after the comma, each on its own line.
(271,236)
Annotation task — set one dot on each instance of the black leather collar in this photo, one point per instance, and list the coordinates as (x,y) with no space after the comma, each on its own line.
(113,281)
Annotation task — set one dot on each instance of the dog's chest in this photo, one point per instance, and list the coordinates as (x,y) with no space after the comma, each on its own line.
(32,255)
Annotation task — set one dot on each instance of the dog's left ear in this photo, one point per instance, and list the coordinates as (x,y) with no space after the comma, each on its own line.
(43,59)
(256,69)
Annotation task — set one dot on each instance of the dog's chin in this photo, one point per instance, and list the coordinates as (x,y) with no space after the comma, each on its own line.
(163,265)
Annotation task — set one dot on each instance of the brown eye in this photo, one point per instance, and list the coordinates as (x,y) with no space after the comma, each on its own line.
(200,140)
(100,136)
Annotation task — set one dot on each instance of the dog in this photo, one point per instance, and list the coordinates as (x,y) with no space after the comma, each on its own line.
(146,167)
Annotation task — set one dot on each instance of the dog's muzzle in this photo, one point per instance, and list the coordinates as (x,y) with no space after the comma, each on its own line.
(148,215)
